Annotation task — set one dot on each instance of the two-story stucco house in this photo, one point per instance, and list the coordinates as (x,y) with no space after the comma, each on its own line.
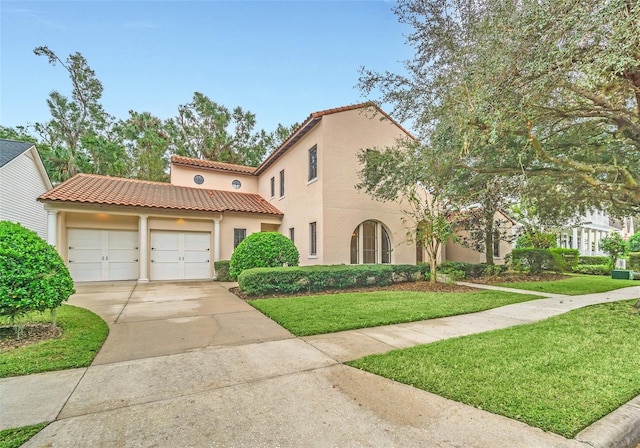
(22,179)
(109,228)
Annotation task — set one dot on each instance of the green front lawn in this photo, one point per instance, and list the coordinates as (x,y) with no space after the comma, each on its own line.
(574,285)
(83,333)
(13,438)
(304,316)
(560,375)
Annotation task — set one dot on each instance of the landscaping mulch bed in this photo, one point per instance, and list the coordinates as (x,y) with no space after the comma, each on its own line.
(31,334)
(516,278)
(404,286)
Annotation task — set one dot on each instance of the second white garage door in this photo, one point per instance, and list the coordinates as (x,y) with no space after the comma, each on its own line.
(180,255)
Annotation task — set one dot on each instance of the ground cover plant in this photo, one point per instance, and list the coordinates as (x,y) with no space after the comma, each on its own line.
(574,285)
(561,374)
(15,437)
(83,333)
(304,316)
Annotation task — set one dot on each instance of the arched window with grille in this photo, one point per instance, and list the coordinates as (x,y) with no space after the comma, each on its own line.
(370,243)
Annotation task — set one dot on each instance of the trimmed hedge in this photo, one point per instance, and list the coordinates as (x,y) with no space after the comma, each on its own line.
(222,270)
(533,260)
(592,269)
(564,260)
(634,261)
(33,277)
(263,250)
(593,259)
(291,280)
(463,270)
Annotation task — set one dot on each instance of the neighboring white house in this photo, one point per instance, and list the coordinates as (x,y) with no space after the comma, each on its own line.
(591,229)
(22,179)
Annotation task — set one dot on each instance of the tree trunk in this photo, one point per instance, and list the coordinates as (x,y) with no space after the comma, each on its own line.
(489,213)
(488,244)
(433,264)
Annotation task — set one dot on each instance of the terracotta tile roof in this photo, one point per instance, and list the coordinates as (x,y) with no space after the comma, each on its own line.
(309,124)
(105,190)
(222,166)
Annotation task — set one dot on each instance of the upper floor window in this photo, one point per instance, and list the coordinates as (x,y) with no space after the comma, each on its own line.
(292,234)
(198,179)
(236,184)
(313,163)
(273,186)
(282,183)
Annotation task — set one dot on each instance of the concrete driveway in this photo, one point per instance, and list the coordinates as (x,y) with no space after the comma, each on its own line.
(189,364)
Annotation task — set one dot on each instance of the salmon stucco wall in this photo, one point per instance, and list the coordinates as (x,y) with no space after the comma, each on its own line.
(213,179)
(302,202)
(345,207)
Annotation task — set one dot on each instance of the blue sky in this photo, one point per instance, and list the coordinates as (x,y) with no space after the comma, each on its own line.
(281,60)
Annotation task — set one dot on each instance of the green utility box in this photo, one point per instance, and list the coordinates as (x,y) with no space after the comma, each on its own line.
(622,275)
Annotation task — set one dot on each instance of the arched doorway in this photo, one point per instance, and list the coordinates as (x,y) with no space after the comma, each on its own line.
(370,243)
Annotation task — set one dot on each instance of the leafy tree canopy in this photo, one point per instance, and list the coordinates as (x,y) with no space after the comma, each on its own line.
(548,90)
(82,137)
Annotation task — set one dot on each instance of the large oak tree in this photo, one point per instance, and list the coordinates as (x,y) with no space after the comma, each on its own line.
(546,90)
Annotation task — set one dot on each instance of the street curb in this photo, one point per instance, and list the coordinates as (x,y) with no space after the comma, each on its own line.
(620,429)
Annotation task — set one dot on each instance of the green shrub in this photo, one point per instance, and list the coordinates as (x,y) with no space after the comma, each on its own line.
(634,242)
(634,261)
(536,240)
(532,260)
(593,259)
(615,246)
(291,280)
(564,260)
(222,270)
(470,270)
(454,270)
(592,269)
(263,250)
(494,270)
(33,277)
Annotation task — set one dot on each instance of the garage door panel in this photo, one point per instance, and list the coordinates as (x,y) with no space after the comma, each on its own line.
(196,256)
(197,270)
(180,255)
(123,255)
(164,271)
(98,254)
(85,272)
(85,239)
(123,271)
(164,256)
(164,240)
(123,241)
(85,255)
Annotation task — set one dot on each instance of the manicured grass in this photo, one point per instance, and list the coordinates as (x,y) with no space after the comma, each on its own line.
(575,285)
(561,374)
(13,438)
(304,316)
(83,333)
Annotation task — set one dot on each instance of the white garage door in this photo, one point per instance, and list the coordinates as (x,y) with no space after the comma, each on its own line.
(180,255)
(99,255)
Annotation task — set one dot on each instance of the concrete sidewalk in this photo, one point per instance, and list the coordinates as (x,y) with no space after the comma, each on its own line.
(189,364)
(353,344)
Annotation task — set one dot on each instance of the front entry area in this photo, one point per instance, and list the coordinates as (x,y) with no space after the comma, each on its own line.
(180,255)
(103,255)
